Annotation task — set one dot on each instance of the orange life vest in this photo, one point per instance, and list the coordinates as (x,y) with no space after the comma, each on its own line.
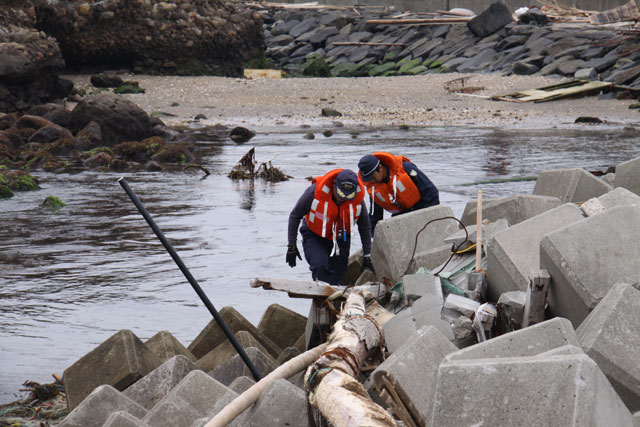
(399,193)
(326,217)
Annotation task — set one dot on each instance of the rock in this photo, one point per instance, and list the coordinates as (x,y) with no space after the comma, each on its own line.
(240,135)
(106,80)
(491,20)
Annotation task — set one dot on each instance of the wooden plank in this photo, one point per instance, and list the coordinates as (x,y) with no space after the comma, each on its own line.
(550,93)
(295,288)
(536,301)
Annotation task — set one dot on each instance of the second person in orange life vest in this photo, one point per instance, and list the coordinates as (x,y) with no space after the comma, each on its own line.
(329,210)
(396,185)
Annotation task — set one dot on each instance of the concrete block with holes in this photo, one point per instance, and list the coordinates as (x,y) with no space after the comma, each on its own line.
(514,252)
(587,258)
(570,185)
(514,209)
(628,175)
(411,370)
(609,335)
(563,390)
(400,238)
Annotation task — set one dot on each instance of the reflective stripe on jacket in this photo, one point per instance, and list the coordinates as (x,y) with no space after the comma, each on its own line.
(399,193)
(326,217)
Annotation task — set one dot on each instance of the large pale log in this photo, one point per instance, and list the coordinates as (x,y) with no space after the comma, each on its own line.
(331,382)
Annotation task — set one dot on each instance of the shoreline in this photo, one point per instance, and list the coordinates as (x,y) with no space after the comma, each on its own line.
(281,105)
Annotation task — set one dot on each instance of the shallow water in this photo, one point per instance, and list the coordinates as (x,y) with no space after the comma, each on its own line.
(69,280)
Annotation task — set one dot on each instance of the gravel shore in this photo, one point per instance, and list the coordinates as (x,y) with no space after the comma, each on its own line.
(288,104)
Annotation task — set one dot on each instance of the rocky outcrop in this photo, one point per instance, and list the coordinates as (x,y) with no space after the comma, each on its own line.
(30,61)
(177,37)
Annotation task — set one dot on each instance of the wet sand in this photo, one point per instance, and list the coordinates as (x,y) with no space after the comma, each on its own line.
(289,104)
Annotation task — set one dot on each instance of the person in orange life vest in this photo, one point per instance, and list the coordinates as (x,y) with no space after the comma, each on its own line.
(396,185)
(329,210)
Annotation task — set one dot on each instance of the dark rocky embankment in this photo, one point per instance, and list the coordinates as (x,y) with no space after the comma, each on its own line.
(345,43)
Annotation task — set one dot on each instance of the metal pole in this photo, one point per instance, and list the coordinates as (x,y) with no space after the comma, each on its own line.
(191,279)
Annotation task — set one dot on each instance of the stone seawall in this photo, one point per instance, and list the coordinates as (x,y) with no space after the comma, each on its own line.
(344,43)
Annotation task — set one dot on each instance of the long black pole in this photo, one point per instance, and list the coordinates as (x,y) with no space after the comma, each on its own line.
(191,279)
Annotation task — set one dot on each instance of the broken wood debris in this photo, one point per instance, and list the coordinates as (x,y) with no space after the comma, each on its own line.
(246,169)
(459,85)
(557,91)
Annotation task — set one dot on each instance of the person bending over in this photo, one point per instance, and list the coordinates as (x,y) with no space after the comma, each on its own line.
(329,210)
(396,185)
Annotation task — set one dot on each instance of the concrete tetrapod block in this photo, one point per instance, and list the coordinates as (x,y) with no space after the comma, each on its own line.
(636,419)
(241,384)
(530,341)
(188,401)
(570,185)
(235,367)
(395,239)
(226,351)
(424,311)
(609,335)
(513,253)
(124,419)
(99,405)
(514,209)
(212,335)
(413,370)
(471,235)
(282,404)
(165,346)
(119,361)
(628,175)
(418,285)
(614,198)
(587,258)
(156,384)
(282,325)
(219,406)
(553,391)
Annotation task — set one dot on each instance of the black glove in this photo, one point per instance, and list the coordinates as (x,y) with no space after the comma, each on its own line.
(292,253)
(367,264)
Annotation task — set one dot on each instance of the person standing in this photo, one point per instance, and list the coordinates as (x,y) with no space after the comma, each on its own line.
(329,210)
(396,185)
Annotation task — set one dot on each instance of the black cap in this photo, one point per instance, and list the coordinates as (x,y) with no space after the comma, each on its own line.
(346,184)
(368,165)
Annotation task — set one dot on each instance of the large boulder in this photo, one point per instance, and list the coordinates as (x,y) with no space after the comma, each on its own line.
(30,61)
(119,119)
(198,37)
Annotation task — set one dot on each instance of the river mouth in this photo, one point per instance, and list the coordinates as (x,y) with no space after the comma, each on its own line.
(70,279)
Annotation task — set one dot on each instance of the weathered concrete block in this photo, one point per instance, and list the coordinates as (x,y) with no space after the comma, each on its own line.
(165,346)
(413,369)
(281,325)
(514,209)
(241,384)
(609,335)
(156,384)
(124,419)
(235,367)
(281,404)
(513,253)
(119,361)
(424,311)
(587,258)
(614,198)
(529,341)
(527,391)
(628,175)
(212,335)
(395,239)
(96,408)
(570,185)
(226,351)
(562,351)
(458,305)
(488,230)
(188,401)
(636,419)
(418,285)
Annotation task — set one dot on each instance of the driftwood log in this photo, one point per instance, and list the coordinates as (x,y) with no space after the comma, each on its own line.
(331,382)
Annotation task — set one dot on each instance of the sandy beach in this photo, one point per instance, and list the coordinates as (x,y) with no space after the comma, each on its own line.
(289,104)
